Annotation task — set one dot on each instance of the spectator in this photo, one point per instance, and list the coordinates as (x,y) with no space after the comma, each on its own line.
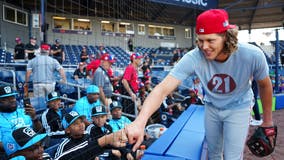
(81,72)
(52,117)
(101,51)
(146,72)
(25,142)
(171,106)
(118,121)
(57,51)
(85,104)
(103,81)
(142,94)
(191,99)
(130,45)
(224,67)
(31,47)
(130,83)
(82,146)
(43,68)
(84,57)
(19,50)
(100,128)
(12,116)
(197,86)
(175,57)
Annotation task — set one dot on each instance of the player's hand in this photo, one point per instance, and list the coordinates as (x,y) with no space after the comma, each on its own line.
(135,134)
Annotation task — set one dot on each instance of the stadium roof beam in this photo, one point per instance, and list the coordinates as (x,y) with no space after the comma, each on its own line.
(187,15)
(158,12)
(252,16)
(233,4)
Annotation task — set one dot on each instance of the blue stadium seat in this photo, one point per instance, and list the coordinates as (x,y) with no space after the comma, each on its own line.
(39,104)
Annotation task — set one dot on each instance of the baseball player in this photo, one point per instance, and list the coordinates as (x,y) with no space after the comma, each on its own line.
(224,67)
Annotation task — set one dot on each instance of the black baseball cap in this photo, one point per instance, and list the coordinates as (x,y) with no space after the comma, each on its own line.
(115,104)
(33,37)
(70,118)
(6,91)
(20,139)
(52,96)
(99,110)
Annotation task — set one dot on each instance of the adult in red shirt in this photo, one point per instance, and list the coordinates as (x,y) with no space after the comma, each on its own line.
(131,83)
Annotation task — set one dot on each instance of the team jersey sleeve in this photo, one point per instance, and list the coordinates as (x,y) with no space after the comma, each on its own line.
(185,67)
(261,67)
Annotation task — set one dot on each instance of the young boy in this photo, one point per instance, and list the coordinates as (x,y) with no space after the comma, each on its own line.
(99,128)
(80,145)
(24,142)
(52,117)
(118,121)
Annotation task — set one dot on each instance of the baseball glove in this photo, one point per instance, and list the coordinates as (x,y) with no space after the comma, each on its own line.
(260,142)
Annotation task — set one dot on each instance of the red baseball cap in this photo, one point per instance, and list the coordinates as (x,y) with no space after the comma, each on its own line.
(135,56)
(213,21)
(18,39)
(45,47)
(108,57)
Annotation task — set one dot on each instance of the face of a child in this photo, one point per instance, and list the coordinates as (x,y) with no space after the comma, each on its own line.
(55,104)
(76,129)
(99,120)
(116,113)
(34,152)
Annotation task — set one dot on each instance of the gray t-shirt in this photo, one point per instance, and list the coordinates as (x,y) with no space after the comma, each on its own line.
(101,79)
(227,84)
(43,68)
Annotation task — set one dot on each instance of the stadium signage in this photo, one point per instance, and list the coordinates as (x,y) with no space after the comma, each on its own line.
(199,4)
(116,34)
(163,37)
(72,31)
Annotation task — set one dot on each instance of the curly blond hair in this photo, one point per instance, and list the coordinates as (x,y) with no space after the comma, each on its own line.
(231,42)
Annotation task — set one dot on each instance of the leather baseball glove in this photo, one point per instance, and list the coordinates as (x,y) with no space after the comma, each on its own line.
(262,142)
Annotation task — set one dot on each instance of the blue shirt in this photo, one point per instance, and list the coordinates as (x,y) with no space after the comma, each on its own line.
(83,107)
(226,84)
(117,124)
(12,121)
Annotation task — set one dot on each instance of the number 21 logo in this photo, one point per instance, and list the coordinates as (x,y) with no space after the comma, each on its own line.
(221,83)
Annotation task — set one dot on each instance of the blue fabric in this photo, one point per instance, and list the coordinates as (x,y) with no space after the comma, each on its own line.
(18,158)
(117,124)
(12,121)
(83,107)
(93,89)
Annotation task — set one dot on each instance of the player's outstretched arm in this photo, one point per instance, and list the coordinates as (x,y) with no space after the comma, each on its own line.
(135,131)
